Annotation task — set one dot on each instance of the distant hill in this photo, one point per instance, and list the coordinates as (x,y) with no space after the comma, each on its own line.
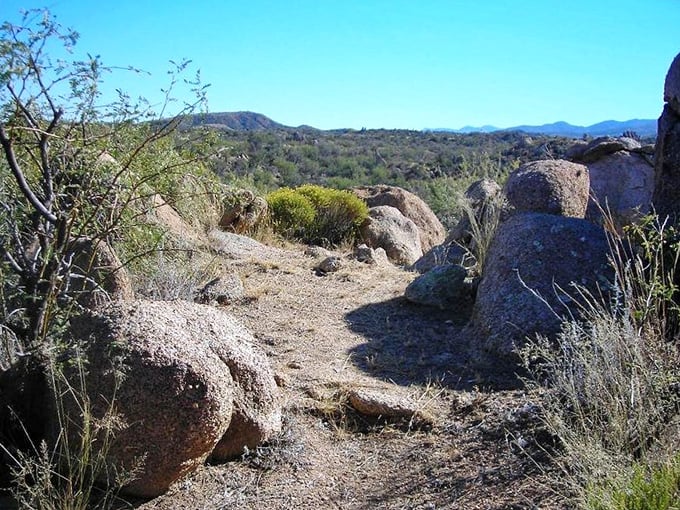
(251,121)
(643,127)
(237,121)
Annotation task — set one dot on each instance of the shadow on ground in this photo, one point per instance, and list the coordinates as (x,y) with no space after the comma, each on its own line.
(413,344)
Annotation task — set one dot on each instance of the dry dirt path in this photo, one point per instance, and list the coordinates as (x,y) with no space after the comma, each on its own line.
(352,329)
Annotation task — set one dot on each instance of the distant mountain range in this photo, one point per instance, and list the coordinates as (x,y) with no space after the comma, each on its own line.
(250,121)
(643,127)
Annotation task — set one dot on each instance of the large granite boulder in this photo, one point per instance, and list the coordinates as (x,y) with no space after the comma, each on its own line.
(549,186)
(526,287)
(671,88)
(182,378)
(432,232)
(387,228)
(666,197)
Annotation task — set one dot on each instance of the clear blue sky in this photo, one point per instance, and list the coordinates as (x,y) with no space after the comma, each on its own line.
(393,64)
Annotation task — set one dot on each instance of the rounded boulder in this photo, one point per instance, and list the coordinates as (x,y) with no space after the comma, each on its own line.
(387,228)
(527,286)
(431,231)
(550,186)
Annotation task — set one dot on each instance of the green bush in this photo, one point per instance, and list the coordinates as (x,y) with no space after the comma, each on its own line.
(292,214)
(336,216)
(655,488)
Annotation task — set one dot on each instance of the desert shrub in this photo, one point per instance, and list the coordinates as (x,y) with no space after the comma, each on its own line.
(613,382)
(292,214)
(649,488)
(483,221)
(336,216)
(339,214)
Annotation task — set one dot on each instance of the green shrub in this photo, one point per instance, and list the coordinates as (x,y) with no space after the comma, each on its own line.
(656,488)
(336,219)
(292,214)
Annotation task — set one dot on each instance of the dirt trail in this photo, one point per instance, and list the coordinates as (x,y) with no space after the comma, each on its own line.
(353,329)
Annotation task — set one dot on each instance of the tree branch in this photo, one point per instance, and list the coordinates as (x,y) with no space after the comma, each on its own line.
(21,179)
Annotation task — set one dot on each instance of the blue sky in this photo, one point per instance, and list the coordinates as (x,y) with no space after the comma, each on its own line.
(392,64)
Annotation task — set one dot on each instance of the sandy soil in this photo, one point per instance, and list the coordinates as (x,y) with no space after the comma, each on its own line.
(353,329)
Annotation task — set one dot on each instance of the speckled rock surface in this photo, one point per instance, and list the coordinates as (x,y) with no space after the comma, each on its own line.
(387,228)
(531,263)
(191,378)
(550,186)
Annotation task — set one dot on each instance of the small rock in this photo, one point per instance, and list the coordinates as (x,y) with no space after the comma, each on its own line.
(280,380)
(379,405)
(317,252)
(329,265)
(222,290)
(443,287)
(368,255)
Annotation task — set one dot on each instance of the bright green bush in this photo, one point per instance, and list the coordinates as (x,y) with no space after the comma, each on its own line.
(655,488)
(336,219)
(291,213)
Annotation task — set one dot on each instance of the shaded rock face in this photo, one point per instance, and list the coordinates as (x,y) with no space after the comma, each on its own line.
(191,379)
(621,177)
(599,147)
(621,182)
(533,256)
(550,186)
(671,89)
(257,407)
(446,253)
(445,287)
(387,228)
(432,232)
(667,157)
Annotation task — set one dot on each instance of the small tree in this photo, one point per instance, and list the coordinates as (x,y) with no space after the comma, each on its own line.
(60,182)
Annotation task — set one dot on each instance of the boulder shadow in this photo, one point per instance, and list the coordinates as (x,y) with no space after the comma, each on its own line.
(408,344)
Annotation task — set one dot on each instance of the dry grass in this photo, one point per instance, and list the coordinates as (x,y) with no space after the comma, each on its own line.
(614,386)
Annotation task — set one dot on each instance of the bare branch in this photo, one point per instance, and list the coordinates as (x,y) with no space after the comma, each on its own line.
(26,190)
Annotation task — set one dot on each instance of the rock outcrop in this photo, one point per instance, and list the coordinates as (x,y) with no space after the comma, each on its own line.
(183,378)
(387,228)
(529,269)
(667,157)
(621,177)
(432,232)
(549,186)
